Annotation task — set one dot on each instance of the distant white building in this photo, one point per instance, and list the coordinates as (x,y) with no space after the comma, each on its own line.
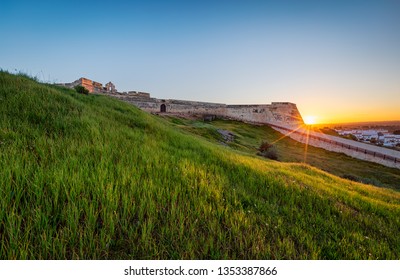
(368,135)
(381,136)
(391,140)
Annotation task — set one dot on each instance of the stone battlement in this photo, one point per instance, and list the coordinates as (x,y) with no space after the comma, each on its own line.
(91,86)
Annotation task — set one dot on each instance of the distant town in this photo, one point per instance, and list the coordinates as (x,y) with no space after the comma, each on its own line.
(380,137)
(387,135)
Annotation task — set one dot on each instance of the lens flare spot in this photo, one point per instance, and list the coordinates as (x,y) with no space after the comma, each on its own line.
(310,120)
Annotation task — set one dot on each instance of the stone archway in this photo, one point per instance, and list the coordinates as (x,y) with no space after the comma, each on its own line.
(163,108)
(110,87)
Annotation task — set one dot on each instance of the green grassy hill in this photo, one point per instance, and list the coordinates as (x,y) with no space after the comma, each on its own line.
(89,177)
(248,138)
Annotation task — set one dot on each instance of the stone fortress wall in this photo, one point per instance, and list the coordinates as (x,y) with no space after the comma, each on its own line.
(283,113)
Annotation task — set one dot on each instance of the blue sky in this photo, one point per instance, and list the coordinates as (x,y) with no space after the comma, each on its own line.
(337,60)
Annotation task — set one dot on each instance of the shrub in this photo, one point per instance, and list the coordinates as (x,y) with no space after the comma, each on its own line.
(265,146)
(267,150)
(368,181)
(371,181)
(351,177)
(81,89)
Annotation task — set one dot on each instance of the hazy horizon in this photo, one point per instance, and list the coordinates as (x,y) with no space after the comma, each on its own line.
(375,123)
(338,61)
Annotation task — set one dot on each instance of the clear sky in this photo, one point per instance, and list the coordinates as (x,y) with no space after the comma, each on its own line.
(337,60)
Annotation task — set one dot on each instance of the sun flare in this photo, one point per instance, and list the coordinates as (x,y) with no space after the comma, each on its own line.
(310,120)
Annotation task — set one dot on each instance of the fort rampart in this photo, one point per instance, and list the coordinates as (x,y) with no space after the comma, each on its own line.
(284,113)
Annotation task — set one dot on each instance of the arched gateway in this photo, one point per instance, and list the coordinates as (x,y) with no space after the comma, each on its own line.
(163,108)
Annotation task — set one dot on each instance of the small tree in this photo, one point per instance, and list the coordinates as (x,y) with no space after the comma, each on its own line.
(81,89)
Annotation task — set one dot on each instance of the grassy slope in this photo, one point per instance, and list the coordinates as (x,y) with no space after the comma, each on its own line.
(249,138)
(90,177)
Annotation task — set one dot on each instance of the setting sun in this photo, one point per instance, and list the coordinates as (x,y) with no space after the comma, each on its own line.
(310,120)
